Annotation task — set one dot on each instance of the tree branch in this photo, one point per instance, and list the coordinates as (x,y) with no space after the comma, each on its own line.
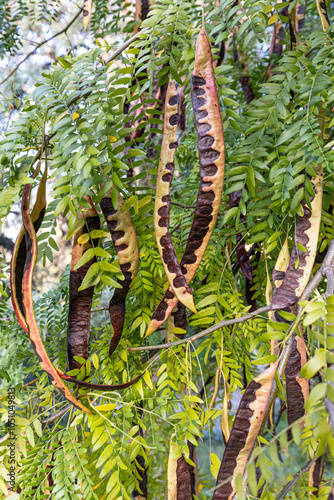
(213,328)
(291,484)
(328,263)
(40,45)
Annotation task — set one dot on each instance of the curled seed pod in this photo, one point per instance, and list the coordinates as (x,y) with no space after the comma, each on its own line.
(181,482)
(246,425)
(301,263)
(80,302)
(297,387)
(162,201)
(211,149)
(28,306)
(322,11)
(87,12)
(125,242)
(20,252)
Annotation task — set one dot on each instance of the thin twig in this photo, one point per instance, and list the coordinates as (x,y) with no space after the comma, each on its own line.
(181,205)
(291,484)
(212,329)
(26,385)
(113,56)
(40,45)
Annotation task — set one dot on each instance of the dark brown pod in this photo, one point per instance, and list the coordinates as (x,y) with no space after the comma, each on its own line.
(322,11)
(165,175)
(181,476)
(20,252)
(80,302)
(242,254)
(246,425)
(314,476)
(124,238)
(301,262)
(211,148)
(297,388)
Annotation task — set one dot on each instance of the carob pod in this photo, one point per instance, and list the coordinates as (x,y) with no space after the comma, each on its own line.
(306,234)
(246,425)
(179,478)
(162,201)
(80,302)
(19,252)
(124,237)
(211,149)
(86,12)
(28,306)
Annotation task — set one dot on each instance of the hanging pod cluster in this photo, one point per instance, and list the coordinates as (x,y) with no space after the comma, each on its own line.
(211,149)
(80,301)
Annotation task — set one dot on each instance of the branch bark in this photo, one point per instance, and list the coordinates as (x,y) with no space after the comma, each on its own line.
(64,30)
(291,484)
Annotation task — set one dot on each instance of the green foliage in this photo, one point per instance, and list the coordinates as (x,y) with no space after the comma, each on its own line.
(273,147)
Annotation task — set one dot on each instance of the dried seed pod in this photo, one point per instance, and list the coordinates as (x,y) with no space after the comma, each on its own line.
(300,16)
(80,303)
(244,432)
(28,306)
(306,234)
(322,11)
(162,201)
(140,492)
(211,149)
(141,12)
(278,274)
(178,319)
(242,254)
(314,476)
(87,12)
(297,388)
(124,238)
(181,481)
(19,252)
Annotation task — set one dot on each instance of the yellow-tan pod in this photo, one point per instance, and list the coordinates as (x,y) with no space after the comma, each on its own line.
(124,237)
(211,148)
(162,201)
(246,425)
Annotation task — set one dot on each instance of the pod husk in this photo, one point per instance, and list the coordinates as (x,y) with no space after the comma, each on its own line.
(162,201)
(246,426)
(124,237)
(80,302)
(211,147)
